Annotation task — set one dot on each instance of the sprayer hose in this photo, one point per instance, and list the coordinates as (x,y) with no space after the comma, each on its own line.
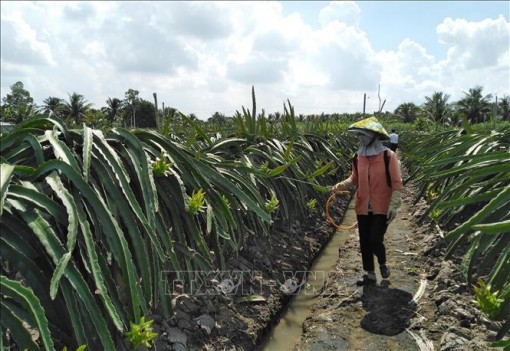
(328,216)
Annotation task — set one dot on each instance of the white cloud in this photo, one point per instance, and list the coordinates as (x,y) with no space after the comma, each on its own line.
(408,74)
(343,11)
(475,44)
(203,57)
(20,43)
(478,55)
(213,25)
(345,56)
(78,11)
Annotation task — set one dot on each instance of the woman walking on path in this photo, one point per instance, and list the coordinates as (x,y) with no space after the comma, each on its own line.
(376,174)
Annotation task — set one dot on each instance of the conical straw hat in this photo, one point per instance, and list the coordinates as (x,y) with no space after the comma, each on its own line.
(372,124)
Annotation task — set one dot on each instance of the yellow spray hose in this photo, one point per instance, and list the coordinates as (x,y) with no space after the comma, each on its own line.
(328,216)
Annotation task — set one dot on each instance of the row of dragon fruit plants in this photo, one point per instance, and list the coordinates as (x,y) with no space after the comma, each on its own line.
(90,219)
(465,177)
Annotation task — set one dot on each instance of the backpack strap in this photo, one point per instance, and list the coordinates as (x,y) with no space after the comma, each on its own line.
(386,164)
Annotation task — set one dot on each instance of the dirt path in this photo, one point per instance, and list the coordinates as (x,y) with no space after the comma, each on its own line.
(350,317)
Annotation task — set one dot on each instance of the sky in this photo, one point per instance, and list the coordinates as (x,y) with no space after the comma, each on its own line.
(205,57)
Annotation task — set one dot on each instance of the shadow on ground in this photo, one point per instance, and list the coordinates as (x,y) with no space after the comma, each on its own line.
(389,311)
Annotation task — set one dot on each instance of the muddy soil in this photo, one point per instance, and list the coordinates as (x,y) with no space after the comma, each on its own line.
(424,305)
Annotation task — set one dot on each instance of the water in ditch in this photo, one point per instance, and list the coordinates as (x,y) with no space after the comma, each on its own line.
(286,333)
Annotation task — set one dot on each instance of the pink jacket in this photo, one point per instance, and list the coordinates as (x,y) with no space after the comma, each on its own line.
(371,182)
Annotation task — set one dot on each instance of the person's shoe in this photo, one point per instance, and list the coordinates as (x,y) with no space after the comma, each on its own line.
(385,271)
(367,279)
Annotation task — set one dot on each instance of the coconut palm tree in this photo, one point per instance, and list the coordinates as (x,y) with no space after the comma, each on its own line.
(407,112)
(475,106)
(504,107)
(76,108)
(52,105)
(217,121)
(437,108)
(112,109)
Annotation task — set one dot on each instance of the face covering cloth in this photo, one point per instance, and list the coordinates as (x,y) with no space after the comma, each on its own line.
(370,143)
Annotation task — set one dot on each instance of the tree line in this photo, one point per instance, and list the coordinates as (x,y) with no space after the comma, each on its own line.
(133,111)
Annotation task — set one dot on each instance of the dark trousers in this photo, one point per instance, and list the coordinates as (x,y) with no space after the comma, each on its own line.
(371,239)
(393,147)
